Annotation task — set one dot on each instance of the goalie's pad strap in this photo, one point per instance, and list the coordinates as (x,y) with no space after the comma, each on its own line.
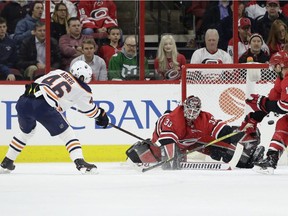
(169,150)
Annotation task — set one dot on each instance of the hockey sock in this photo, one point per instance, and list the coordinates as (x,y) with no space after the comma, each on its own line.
(17,144)
(72,144)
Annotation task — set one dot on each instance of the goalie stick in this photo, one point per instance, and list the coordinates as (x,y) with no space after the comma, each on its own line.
(195,165)
(232,163)
(202,147)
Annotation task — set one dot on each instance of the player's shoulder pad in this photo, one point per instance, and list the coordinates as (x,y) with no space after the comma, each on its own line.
(84,86)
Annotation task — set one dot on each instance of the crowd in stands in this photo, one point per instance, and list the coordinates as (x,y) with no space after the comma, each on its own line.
(89,31)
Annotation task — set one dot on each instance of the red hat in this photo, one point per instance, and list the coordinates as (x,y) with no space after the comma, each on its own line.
(272,2)
(242,22)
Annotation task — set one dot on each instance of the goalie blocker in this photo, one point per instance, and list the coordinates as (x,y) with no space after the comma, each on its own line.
(143,153)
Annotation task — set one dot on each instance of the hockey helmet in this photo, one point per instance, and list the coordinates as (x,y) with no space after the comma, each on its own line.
(280,58)
(192,108)
(81,70)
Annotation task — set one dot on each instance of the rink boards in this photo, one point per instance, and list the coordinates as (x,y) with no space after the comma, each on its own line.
(132,107)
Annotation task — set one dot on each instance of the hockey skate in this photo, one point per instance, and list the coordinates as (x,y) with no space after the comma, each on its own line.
(267,165)
(6,166)
(84,167)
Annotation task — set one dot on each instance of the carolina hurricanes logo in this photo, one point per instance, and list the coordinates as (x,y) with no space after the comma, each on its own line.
(189,142)
(99,13)
(232,102)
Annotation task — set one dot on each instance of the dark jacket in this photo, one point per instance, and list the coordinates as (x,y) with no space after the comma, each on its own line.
(13,12)
(23,28)
(262,57)
(28,54)
(8,54)
(263,25)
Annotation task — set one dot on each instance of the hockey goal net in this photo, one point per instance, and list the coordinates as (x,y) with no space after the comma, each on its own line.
(224,88)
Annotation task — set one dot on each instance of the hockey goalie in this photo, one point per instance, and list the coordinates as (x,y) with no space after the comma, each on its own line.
(186,128)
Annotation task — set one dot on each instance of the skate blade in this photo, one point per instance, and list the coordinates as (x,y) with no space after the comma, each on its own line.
(93,171)
(4,171)
(267,171)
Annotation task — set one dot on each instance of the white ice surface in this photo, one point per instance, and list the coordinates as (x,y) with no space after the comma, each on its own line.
(50,189)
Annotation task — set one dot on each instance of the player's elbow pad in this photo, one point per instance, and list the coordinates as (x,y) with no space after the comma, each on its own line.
(273,106)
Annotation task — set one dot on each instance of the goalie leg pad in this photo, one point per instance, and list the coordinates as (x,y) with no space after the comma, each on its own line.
(172,151)
(140,152)
(252,151)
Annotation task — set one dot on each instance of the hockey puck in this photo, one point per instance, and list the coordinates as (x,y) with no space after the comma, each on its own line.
(270,122)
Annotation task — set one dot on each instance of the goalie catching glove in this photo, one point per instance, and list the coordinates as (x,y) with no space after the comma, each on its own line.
(102,119)
(257,103)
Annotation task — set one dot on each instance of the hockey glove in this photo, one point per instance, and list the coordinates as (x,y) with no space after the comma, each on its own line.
(257,103)
(102,119)
(249,125)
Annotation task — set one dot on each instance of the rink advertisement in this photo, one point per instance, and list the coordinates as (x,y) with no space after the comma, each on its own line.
(132,107)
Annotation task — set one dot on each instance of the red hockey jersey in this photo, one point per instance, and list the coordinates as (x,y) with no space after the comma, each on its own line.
(97,14)
(173,126)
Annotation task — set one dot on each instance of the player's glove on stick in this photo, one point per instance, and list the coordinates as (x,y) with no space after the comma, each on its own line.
(102,119)
(257,103)
(249,125)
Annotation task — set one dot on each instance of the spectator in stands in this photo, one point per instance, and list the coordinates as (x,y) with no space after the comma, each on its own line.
(263,25)
(25,26)
(71,43)
(32,55)
(71,8)
(96,63)
(97,16)
(225,26)
(168,62)
(8,56)
(59,21)
(244,33)
(254,51)
(278,36)
(284,8)
(3,4)
(195,10)
(215,12)
(13,12)
(255,9)
(211,54)
(114,46)
(124,64)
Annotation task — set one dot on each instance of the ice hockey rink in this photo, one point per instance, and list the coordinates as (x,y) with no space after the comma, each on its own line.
(52,189)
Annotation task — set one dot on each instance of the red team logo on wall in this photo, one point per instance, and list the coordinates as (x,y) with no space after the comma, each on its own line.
(232,102)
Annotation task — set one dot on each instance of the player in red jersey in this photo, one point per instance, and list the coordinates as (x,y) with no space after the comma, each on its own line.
(277,102)
(186,128)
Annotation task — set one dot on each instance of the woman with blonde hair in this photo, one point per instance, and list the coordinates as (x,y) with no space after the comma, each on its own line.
(278,36)
(59,21)
(168,62)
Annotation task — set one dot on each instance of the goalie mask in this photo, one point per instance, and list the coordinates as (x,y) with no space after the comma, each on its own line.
(82,71)
(192,108)
(279,61)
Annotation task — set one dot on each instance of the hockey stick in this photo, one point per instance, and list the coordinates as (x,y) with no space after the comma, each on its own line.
(193,150)
(131,134)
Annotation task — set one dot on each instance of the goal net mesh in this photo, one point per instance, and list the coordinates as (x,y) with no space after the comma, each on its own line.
(224,88)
